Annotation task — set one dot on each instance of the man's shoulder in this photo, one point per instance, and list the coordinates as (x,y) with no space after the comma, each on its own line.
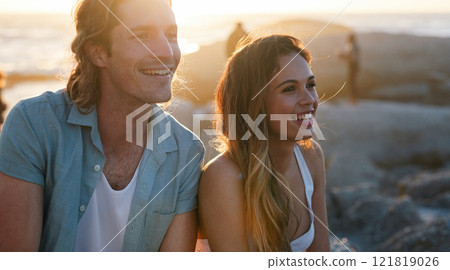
(48,100)
(183,136)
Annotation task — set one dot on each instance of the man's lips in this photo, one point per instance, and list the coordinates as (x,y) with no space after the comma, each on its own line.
(156,72)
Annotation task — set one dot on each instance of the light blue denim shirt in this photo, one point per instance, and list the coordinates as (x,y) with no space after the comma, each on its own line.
(47,141)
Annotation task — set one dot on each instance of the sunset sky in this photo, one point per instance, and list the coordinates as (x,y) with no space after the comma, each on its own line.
(192,7)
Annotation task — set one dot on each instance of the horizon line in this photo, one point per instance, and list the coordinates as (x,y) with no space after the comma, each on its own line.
(248,13)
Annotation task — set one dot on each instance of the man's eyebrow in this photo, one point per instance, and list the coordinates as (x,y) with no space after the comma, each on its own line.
(295,81)
(150,28)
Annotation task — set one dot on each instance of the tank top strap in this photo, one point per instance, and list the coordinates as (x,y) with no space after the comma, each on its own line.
(306,175)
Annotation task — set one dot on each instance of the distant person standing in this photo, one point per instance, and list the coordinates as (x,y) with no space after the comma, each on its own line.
(234,38)
(2,105)
(351,55)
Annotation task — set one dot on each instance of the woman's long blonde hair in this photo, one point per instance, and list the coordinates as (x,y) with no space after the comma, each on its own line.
(268,206)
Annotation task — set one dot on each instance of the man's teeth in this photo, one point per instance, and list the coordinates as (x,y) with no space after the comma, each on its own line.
(161,72)
(305,116)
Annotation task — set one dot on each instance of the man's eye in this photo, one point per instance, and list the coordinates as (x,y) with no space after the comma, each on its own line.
(172,36)
(143,36)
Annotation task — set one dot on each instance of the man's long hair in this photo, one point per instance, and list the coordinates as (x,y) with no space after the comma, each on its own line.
(268,206)
(94,20)
(2,105)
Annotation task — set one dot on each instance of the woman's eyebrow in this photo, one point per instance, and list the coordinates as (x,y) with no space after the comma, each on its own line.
(295,81)
(287,81)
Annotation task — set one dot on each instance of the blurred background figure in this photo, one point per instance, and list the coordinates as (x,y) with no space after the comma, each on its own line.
(2,104)
(351,55)
(234,38)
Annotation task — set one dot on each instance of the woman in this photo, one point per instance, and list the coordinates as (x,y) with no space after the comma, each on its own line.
(266,191)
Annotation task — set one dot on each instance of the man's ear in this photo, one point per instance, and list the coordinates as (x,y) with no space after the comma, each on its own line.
(96,53)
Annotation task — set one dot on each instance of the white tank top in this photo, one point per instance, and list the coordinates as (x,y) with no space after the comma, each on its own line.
(105,216)
(303,242)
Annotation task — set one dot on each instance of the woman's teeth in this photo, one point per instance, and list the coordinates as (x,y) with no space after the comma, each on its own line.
(304,116)
(162,72)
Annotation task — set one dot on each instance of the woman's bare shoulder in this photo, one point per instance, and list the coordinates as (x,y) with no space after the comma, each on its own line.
(313,154)
(222,168)
(311,151)
(221,204)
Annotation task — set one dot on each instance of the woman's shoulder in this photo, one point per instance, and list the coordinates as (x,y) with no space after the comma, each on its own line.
(221,177)
(313,155)
(311,150)
(221,204)
(222,167)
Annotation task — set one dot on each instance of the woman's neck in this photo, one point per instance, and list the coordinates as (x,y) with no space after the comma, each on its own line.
(281,153)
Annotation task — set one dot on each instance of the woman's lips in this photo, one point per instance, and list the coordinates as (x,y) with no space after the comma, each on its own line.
(305,119)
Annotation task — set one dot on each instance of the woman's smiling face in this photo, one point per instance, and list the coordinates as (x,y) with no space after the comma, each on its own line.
(292,92)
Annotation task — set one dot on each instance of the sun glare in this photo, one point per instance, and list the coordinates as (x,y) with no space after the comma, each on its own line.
(189,8)
(33,6)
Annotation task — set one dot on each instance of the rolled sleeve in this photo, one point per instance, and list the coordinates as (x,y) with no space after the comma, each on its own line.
(21,154)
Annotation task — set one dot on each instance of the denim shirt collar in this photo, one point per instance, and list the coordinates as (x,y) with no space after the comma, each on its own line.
(160,129)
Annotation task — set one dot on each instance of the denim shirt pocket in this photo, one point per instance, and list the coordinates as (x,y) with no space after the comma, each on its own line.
(155,228)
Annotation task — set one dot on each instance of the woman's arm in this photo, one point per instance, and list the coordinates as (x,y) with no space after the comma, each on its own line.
(221,206)
(321,237)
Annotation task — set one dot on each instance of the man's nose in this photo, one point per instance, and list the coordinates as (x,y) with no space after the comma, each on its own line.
(162,47)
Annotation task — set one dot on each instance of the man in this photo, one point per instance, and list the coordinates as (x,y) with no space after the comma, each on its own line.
(351,56)
(69,179)
(234,38)
(2,105)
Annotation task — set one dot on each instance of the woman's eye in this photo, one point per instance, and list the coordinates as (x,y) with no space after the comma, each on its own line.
(311,85)
(289,89)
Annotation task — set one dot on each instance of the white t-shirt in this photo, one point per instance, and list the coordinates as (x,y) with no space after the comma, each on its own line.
(100,228)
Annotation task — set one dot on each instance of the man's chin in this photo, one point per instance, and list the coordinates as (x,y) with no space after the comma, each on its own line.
(161,99)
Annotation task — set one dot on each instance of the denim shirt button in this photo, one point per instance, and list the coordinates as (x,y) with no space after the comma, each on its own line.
(82,208)
(97,168)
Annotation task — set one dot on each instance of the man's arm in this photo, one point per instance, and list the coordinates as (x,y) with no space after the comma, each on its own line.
(182,233)
(21,214)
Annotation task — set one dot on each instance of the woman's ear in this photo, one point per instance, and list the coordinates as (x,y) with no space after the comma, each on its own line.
(96,53)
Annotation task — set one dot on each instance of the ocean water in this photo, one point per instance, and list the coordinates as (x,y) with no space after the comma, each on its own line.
(39,44)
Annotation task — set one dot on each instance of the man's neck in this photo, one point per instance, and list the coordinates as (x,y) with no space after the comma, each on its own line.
(112,114)
(121,157)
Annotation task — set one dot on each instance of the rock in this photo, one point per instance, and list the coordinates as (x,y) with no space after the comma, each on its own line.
(403,92)
(339,200)
(442,201)
(426,186)
(380,217)
(342,245)
(359,209)
(431,159)
(402,213)
(434,236)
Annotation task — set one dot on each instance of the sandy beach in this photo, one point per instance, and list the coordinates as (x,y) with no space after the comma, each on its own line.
(377,152)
